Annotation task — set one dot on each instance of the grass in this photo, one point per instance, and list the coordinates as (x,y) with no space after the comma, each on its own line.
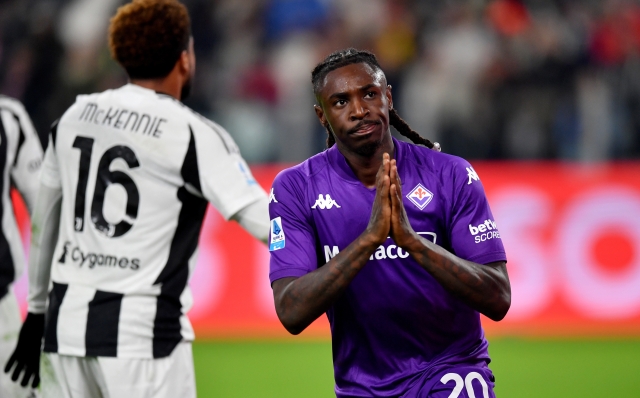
(523,368)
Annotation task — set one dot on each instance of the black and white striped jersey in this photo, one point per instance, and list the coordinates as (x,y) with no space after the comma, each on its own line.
(136,170)
(20,159)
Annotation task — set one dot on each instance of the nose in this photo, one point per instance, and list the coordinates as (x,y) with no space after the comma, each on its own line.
(359,110)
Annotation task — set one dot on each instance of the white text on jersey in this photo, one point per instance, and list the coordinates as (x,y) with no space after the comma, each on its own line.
(382,252)
(485,231)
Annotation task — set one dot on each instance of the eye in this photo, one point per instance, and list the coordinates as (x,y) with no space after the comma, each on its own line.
(370,94)
(340,102)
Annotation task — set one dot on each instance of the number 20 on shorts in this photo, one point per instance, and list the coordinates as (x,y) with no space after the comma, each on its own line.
(460,384)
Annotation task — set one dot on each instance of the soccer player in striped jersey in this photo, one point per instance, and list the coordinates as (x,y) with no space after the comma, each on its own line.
(125,184)
(20,159)
(394,241)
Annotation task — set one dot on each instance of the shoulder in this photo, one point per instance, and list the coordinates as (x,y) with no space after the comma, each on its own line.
(439,163)
(203,127)
(11,104)
(301,173)
(295,179)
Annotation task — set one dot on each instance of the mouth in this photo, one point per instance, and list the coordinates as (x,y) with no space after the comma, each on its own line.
(364,128)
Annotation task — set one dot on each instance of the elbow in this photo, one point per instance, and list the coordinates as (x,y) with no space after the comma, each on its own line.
(293,326)
(501,308)
(289,318)
(294,330)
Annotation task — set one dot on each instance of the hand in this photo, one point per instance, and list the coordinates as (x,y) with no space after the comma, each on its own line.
(401,231)
(379,222)
(27,353)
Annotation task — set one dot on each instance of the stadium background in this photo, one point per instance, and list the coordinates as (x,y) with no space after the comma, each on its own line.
(542,97)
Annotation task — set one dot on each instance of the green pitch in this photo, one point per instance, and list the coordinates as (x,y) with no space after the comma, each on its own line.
(523,368)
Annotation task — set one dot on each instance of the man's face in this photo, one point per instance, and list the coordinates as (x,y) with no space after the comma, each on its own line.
(186,87)
(354,103)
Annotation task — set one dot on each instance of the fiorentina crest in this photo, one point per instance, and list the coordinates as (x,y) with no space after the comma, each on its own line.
(420,196)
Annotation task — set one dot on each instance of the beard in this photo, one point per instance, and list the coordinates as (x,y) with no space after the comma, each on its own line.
(186,89)
(368,150)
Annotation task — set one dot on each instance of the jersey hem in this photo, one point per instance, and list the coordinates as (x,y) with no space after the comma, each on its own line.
(229,213)
(287,273)
(489,257)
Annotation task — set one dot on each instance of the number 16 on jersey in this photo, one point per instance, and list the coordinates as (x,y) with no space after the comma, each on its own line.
(104,178)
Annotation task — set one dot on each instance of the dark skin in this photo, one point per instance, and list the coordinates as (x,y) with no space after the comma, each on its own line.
(183,71)
(354,102)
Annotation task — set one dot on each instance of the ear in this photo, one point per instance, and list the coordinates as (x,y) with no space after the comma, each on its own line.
(183,64)
(389,96)
(321,115)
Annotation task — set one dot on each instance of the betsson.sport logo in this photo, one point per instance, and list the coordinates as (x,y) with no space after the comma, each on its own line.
(486,231)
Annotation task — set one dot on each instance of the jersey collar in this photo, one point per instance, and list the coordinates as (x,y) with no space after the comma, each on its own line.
(339,164)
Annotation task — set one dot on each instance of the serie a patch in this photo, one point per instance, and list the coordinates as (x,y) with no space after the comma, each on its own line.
(276,242)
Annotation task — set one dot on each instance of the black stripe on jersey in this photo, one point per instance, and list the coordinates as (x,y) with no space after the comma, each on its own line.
(189,171)
(229,146)
(7,270)
(21,139)
(51,329)
(174,276)
(54,132)
(101,338)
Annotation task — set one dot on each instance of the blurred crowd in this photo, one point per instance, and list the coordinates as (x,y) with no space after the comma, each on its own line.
(501,79)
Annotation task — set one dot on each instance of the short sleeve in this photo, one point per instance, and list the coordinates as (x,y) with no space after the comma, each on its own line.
(473,233)
(291,234)
(223,176)
(50,171)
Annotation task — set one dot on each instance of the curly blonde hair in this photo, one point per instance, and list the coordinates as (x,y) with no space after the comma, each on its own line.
(147,37)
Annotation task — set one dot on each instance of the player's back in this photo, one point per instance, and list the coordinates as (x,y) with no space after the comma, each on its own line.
(121,155)
(132,207)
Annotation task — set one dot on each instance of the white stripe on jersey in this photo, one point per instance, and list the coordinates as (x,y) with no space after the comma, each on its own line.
(136,170)
(72,324)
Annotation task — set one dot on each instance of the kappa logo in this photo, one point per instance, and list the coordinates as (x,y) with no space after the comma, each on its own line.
(272,197)
(325,202)
(473,176)
(420,196)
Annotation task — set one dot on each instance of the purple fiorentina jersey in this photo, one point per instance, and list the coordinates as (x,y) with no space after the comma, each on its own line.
(395,325)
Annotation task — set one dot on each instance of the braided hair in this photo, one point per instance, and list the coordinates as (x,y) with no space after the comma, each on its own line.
(350,56)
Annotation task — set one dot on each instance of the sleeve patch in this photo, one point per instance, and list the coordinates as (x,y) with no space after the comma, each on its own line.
(277,240)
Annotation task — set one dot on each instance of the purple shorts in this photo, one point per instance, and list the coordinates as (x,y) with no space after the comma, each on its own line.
(462,381)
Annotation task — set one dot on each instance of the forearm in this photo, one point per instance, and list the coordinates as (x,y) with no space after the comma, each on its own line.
(484,287)
(44,234)
(301,301)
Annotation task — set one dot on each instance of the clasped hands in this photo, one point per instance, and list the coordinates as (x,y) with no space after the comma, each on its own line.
(388,216)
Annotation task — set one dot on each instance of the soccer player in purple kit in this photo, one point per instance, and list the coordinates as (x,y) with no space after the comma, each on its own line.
(394,241)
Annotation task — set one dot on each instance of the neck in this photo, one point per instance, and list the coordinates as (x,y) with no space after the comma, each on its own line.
(366,167)
(167,85)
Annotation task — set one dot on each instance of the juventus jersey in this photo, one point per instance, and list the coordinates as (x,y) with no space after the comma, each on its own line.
(20,159)
(136,170)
